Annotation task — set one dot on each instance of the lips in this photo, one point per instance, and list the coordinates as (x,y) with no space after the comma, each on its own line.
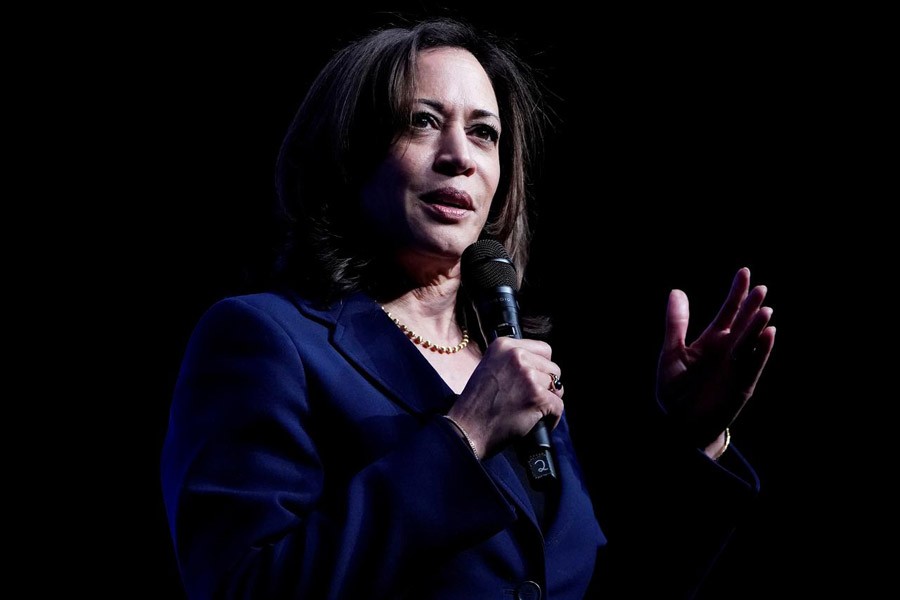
(449,197)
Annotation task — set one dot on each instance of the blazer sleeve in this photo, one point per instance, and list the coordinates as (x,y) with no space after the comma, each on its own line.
(244,484)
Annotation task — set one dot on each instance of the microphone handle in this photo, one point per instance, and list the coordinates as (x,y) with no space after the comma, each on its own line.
(502,311)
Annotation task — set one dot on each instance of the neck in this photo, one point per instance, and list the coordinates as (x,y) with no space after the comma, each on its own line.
(428,305)
(433,306)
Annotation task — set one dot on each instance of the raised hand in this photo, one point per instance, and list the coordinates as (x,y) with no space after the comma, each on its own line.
(704,385)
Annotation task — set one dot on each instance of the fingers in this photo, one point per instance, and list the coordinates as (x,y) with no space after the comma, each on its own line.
(537,347)
(556,384)
(531,359)
(748,310)
(764,349)
(751,352)
(753,337)
(547,396)
(739,286)
(746,341)
(677,317)
(509,392)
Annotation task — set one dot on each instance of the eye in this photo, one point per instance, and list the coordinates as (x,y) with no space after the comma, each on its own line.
(422,120)
(486,132)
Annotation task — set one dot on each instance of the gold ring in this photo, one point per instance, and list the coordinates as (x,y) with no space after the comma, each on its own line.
(555,382)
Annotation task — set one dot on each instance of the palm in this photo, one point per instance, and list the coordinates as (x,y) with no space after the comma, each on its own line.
(705,385)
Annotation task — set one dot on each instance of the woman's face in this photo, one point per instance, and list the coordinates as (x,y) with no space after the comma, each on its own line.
(432,193)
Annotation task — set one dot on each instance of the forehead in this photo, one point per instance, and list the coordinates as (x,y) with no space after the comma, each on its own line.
(454,75)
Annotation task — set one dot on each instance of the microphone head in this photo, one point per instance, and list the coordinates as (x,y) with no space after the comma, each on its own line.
(486,265)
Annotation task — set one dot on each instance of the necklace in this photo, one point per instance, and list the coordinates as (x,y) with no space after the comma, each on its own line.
(418,339)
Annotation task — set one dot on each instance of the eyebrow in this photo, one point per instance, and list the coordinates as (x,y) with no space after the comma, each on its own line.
(478,112)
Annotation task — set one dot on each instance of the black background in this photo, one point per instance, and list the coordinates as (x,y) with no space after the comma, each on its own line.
(687,145)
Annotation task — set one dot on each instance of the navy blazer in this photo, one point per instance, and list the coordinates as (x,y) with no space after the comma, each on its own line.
(306,458)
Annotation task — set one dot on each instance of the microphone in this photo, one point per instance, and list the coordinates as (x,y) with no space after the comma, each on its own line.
(489,277)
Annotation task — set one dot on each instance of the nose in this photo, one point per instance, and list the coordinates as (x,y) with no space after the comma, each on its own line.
(453,153)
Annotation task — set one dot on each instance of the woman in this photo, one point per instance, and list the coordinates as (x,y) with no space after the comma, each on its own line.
(352,435)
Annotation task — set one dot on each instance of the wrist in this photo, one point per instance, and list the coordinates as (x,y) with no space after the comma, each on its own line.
(717,448)
(464,435)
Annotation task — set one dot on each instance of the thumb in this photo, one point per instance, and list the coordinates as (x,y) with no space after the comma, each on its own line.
(677,316)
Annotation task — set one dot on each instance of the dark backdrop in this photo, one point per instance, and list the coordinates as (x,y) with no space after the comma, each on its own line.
(687,145)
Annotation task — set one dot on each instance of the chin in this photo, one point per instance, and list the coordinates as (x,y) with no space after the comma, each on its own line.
(445,249)
(445,241)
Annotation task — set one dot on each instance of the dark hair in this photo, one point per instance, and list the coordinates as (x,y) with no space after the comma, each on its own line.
(354,110)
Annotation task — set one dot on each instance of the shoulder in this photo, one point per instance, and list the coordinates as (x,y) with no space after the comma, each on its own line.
(261,324)
(285,310)
(273,304)
(271,309)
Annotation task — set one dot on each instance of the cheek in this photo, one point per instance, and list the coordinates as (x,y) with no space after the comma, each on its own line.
(385,187)
(385,195)
(377,198)
(408,163)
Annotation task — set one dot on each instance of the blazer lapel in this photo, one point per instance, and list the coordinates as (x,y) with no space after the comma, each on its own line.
(504,475)
(369,340)
(376,346)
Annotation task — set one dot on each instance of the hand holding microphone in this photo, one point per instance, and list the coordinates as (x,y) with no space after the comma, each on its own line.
(516,391)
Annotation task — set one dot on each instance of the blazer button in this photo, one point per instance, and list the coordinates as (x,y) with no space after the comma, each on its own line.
(528,590)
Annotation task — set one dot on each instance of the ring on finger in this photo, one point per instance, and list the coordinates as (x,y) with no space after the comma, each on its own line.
(555,382)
